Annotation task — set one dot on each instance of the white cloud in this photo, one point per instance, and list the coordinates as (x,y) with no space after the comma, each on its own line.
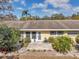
(76,9)
(63,7)
(23,3)
(19,8)
(50,11)
(39,5)
(59,3)
(16,0)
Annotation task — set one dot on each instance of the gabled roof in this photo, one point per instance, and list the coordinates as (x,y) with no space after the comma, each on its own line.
(43,24)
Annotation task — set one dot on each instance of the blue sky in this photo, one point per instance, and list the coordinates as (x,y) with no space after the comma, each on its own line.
(46,7)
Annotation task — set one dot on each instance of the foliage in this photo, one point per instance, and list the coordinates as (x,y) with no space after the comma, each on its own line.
(5,6)
(51,39)
(9,37)
(23,18)
(26,41)
(53,17)
(6,10)
(77,39)
(62,44)
(75,16)
(57,17)
(45,41)
(26,13)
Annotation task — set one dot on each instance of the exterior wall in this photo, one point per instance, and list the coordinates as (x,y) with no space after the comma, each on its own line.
(73,37)
(46,35)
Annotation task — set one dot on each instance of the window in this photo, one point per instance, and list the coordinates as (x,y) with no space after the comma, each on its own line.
(56,32)
(39,36)
(60,32)
(53,33)
(73,32)
(28,34)
(33,35)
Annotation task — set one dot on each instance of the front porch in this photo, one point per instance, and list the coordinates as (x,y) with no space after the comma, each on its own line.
(34,36)
(37,39)
(39,46)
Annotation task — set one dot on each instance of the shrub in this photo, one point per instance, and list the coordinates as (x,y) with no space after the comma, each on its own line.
(45,40)
(9,37)
(51,39)
(62,44)
(26,41)
(77,39)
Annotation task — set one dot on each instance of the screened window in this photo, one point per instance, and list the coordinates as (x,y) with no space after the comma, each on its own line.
(39,35)
(73,32)
(56,32)
(53,33)
(28,34)
(60,32)
(33,35)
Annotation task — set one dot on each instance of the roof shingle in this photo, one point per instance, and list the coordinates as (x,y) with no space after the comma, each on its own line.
(43,24)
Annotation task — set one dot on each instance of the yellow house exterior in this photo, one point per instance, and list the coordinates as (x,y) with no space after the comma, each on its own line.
(39,30)
(45,34)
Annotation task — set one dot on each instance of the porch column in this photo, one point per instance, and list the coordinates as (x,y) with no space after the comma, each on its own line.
(37,36)
(31,36)
(24,35)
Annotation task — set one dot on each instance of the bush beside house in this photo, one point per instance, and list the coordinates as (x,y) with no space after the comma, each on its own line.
(77,39)
(77,42)
(9,37)
(51,39)
(61,44)
(26,41)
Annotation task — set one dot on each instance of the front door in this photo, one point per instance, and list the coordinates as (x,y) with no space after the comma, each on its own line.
(36,36)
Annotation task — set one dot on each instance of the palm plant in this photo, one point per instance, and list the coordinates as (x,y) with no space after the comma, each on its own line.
(25,13)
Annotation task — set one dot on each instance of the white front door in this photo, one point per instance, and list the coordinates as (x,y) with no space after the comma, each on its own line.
(35,36)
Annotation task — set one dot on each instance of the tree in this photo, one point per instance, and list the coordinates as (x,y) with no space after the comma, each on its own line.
(8,17)
(25,13)
(5,6)
(57,17)
(75,16)
(46,18)
(6,10)
(9,37)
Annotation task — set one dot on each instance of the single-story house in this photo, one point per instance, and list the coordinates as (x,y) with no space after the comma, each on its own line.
(39,30)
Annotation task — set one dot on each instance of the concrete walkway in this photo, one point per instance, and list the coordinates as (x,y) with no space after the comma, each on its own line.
(39,46)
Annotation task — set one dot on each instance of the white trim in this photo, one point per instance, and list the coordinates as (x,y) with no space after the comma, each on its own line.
(24,35)
(49,29)
(31,36)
